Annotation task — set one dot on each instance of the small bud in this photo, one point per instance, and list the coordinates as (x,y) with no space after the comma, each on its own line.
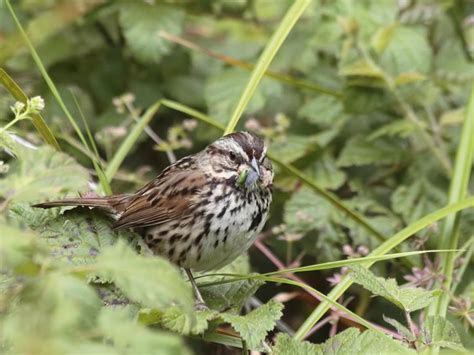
(17,107)
(189,124)
(36,103)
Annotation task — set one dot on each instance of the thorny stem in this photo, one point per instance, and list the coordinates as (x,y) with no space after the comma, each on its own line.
(279,264)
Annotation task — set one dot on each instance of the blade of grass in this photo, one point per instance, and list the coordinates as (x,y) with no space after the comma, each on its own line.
(292,15)
(382,249)
(287,79)
(128,142)
(40,124)
(98,167)
(52,87)
(457,191)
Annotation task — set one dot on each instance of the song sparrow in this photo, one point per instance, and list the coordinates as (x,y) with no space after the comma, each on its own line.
(202,211)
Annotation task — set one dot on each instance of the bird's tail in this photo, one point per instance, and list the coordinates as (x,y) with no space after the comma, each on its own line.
(116,203)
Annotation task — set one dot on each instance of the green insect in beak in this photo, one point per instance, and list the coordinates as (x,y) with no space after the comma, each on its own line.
(250,176)
(242,178)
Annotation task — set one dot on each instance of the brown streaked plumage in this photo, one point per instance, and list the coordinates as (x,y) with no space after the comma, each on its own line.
(202,211)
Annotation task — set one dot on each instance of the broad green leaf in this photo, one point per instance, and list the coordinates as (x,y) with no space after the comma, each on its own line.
(42,174)
(129,337)
(438,331)
(416,200)
(350,341)
(187,323)
(142,23)
(325,172)
(408,299)
(382,38)
(254,326)
(408,51)
(293,147)
(360,151)
(78,236)
(151,281)
(230,295)
(286,345)
(323,110)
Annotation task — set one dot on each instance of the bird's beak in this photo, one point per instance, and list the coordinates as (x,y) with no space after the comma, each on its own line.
(253,174)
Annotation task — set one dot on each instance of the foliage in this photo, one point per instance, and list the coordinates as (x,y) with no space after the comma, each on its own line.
(366,108)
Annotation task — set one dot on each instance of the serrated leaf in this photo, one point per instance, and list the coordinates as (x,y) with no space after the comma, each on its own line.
(286,345)
(254,326)
(325,172)
(187,323)
(408,51)
(231,295)
(292,147)
(398,128)
(130,337)
(348,342)
(401,329)
(322,110)
(351,341)
(150,281)
(408,299)
(359,151)
(417,199)
(78,236)
(142,23)
(408,78)
(438,331)
(42,174)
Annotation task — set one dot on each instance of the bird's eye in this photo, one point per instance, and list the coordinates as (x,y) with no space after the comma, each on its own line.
(232,156)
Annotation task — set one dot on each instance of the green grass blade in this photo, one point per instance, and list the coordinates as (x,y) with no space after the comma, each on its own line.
(128,142)
(384,248)
(275,42)
(354,261)
(104,183)
(38,121)
(457,192)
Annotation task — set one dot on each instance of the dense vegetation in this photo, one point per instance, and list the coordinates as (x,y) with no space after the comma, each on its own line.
(368,110)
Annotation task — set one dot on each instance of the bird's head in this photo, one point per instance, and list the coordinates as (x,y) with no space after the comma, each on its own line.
(241,156)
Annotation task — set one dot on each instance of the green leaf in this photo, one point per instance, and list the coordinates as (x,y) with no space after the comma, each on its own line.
(438,331)
(416,200)
(350,341)
(286,345)
(150,281)
(322,110)
(292,147)
(187,323)
(398,128)
(408,51)
(254,326)
(142,24)
(359,151)
(401,329)
(77,236)
(325,172)
(43,174)
(7,143)
(129,337)
(408,299)
(230,295)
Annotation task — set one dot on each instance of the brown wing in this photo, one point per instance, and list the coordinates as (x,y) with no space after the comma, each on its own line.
(168,197)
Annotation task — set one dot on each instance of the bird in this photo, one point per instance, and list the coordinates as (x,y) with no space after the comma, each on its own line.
(200,212)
